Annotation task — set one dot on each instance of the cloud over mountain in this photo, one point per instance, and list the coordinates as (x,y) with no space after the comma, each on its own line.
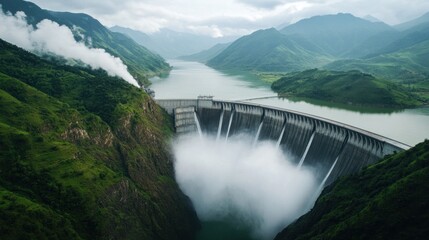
(49,37)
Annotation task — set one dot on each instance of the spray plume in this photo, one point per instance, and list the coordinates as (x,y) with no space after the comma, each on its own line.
(255,183)
(51,38)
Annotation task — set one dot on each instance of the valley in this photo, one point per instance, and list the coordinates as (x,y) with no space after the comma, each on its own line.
(273,115)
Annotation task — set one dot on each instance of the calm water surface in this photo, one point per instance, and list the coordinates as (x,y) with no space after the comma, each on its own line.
(190,79)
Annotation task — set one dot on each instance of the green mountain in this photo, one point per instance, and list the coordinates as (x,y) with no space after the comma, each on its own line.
(206,55)
(416,31)
(387,200)
(308,43)
(140,61)
(83,156)
(405,39)
(351,87)
(172,44)
(268,50)
(401,57)
(336,34)
(413,23)
(373,45)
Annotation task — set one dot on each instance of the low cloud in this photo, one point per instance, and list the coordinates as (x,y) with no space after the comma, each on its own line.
(49,37)
(262,3)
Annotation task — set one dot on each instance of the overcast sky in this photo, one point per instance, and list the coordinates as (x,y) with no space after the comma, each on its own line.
(230,17)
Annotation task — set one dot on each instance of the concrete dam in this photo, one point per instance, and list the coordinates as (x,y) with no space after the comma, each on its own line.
(333,148)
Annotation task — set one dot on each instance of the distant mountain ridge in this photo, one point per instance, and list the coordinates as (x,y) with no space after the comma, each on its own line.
(206,55)
(308,43)
(406,39)
(336,34)
(338,42)
(140,61)
(172,44)
(410,24)
(409,65)
(268,50)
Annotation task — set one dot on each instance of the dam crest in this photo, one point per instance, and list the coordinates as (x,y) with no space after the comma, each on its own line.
(333,148)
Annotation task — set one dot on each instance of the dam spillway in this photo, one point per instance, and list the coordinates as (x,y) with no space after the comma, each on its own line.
(328,146)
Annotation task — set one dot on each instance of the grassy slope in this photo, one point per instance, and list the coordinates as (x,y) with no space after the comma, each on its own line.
(387,200)
(83,155)
(345,87)
(140,61)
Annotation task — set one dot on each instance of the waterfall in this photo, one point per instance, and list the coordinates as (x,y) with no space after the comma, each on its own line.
(198,124)
(280,137)
(229,125)
(306,150)
(257,133)
(219,129)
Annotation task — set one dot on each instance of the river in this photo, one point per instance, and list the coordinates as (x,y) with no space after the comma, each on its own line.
(191,79)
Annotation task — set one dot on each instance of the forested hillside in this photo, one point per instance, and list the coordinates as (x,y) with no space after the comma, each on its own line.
(83,156)
(351,87)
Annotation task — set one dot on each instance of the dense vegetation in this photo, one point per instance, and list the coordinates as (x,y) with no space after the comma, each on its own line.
(83,156)
(352,87)
(388,200)
(140,62)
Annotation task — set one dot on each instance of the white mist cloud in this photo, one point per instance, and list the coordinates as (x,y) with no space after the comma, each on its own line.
(49,37)
(257,184)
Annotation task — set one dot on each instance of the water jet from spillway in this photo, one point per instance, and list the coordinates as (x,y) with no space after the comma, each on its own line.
(239,178)
(258,133)
(197,123)
(229,125)
(280,137)
(219,129)
(306,151)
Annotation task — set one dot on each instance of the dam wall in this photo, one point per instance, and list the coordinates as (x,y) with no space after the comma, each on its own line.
(310,141)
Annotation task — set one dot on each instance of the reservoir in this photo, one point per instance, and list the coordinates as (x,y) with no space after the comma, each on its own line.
(191,79)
